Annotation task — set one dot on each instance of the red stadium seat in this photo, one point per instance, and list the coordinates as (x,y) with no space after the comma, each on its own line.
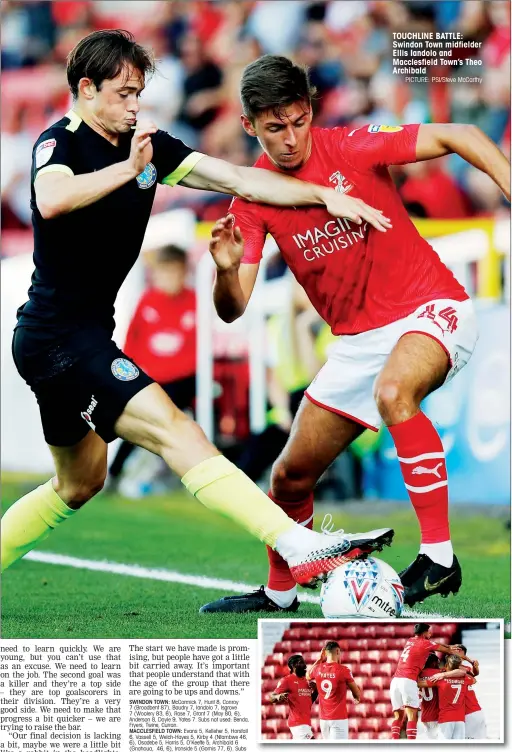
(268,685)
(369,695)
(382,709)
(354,655)
(269,726)
(354,724)
(284,647)
(385,669)
(364,735)
(363,710)
(393,656)
(279,658)
(366,669)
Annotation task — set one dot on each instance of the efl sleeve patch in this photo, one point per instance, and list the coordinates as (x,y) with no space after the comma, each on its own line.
(44,151)
(384,128)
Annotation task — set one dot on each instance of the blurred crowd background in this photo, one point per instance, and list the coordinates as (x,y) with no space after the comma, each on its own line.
(202,48)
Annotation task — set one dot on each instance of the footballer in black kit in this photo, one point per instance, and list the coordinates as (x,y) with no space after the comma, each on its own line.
(62,344)
(94,176)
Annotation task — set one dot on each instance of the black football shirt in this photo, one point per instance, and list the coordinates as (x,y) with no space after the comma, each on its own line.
(82,258)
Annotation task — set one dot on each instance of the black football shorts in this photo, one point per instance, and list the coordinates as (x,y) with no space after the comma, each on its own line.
(81,382)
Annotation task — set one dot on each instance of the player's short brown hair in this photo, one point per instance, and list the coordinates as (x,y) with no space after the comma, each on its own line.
(273,82)
(453,661)
(103,54)
(170,252)
(331,646)
(432,661)
(420,629)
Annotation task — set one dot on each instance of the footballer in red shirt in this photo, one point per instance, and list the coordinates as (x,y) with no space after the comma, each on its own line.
(476,727)
(332,680)
(452,693)
(405,698)
(299,693)
(405,324)
(429,702)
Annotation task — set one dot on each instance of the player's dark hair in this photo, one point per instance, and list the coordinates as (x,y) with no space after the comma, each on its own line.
(294,660)
(330,646)
(432,661)
(461,647)
(273,82)
(453,661)
(421,628)
(103,54)
(170,253)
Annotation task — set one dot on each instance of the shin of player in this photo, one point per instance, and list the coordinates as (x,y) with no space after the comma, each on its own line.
(332,680)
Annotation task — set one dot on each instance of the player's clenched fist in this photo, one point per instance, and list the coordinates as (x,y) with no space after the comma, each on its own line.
(141,151)
(226,244)
(340,205)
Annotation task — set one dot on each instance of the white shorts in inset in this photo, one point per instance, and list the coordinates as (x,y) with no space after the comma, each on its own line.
(453,730)
(475,725)
(334,729)
(301,732)
(345,383)
(428,729)
(404,692)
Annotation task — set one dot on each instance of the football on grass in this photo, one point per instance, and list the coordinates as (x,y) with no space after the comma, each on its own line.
(363,588)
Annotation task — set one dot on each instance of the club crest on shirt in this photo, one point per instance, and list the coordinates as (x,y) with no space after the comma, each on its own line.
(384,128)
(124,370)
(44,151)
(341,184)
(147,178)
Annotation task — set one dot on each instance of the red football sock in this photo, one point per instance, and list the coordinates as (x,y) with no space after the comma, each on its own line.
(412,729)
(396,727)
(279,576)
(422,461)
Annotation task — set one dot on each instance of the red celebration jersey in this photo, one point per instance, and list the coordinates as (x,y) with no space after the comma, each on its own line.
(356,277)
(161,337)
(299,699)
(413,657)
(331,682)
(429,698)
(452,698)
(472,704)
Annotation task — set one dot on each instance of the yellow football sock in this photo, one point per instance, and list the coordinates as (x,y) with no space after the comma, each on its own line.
(223,488)
(29,520)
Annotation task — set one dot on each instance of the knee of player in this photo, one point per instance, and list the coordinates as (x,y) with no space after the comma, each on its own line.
(182,432)
(392,399)
(289,483)
(77,493)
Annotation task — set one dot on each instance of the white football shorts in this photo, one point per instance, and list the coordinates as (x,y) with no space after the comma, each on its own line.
(428,729)
(475,725)
(404,692)
(345,384)
(301,732)
(452,730)
(334,729)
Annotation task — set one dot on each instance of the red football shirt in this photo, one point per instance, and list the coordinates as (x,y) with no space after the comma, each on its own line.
(356,277)
(413,657)
(299,699)
(472,704)
(429,698)
(331,681)
(161,337)
(452,698)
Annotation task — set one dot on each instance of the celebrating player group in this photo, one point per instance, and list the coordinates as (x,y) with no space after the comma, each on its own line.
(405,325)
(441,698)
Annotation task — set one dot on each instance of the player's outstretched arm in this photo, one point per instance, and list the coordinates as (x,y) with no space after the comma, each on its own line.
(469,142)
(276,697)
(356,691)
(234,283)
(59,193)
(267,187)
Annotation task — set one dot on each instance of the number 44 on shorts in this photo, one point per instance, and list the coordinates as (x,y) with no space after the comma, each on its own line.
(446,315)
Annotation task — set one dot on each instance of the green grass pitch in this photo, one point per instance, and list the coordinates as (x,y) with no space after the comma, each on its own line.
(42,600)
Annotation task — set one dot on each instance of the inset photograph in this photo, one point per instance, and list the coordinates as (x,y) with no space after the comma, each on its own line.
(346,681)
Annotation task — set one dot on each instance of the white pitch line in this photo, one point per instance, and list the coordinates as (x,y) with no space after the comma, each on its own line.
(168,575)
